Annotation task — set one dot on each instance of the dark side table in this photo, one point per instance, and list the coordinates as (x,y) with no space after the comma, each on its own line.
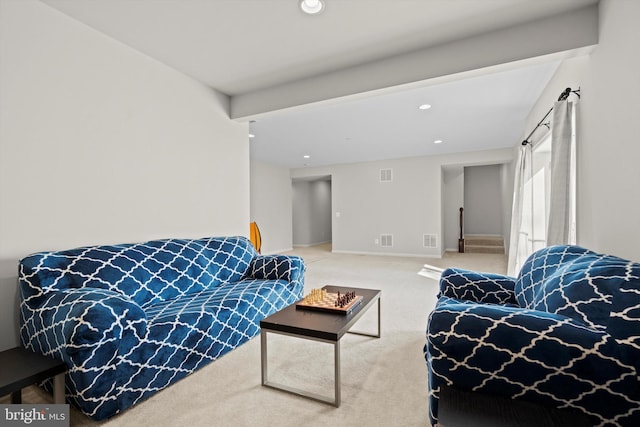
(20,368)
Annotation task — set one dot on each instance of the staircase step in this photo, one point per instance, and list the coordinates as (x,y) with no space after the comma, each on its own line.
(483,244)
(484,240)
(483,249)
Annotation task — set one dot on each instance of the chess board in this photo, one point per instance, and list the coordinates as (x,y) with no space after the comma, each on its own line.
(327,304)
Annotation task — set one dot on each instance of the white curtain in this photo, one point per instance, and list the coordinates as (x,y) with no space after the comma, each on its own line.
(561,228)
(520,246)
(545,215)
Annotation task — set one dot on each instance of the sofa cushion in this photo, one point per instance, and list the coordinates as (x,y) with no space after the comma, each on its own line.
(149,272)
(187,333)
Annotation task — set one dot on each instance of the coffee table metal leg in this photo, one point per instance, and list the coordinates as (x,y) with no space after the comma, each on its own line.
(263,355)
(58,389)
(336,367)
(379,321)
(366,334)
(264,371)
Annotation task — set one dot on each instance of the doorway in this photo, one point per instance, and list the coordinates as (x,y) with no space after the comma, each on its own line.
(311,211)
(485,192)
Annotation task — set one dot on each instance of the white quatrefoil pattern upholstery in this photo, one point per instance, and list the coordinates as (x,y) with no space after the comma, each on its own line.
(131,319)
(564,333)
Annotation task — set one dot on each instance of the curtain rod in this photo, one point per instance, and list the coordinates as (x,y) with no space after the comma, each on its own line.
(564,95)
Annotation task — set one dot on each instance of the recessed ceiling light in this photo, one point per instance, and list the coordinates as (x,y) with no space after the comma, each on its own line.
(437,141)
(306,156)
(251,135)
(425,106)
(311,7)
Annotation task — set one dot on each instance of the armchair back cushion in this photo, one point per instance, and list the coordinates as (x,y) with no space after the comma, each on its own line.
(574,282)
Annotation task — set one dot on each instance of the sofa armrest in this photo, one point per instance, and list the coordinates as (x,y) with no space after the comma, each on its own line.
(86,328)
(478,287)
(277,267)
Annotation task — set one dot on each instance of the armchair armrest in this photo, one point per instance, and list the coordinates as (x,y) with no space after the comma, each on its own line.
(473,286)
(85,327)
(277,267)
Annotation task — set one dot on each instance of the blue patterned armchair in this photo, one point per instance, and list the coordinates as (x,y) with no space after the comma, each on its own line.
(129,320)
(564,333)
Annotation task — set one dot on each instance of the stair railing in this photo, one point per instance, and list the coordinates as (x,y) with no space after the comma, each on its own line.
(461,239)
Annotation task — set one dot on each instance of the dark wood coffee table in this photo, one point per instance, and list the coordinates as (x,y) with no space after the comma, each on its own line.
(317,326)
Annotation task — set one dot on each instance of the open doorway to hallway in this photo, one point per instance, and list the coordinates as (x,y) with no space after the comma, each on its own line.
(311,210)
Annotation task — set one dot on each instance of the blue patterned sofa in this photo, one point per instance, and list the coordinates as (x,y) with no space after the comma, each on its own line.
(129,320)
(564,333)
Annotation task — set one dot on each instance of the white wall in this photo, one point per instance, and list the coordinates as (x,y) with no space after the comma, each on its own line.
(408,207)
(271,205)
(608,201)
(100,144)
(609,148)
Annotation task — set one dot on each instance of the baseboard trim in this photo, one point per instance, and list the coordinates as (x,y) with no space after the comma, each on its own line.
(408,255)
(297,245)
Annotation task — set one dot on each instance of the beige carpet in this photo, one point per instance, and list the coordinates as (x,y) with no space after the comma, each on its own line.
(383,380)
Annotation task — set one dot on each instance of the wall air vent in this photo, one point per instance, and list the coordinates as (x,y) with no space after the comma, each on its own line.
(429,240)
(386,175)
(386,240)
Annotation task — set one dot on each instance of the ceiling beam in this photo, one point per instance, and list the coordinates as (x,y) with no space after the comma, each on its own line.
(541,39)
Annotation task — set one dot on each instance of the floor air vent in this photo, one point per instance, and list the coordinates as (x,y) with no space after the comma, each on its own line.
(429,241)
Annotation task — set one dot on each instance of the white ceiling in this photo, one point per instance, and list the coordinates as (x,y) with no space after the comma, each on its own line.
(479,113)
(241,46)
